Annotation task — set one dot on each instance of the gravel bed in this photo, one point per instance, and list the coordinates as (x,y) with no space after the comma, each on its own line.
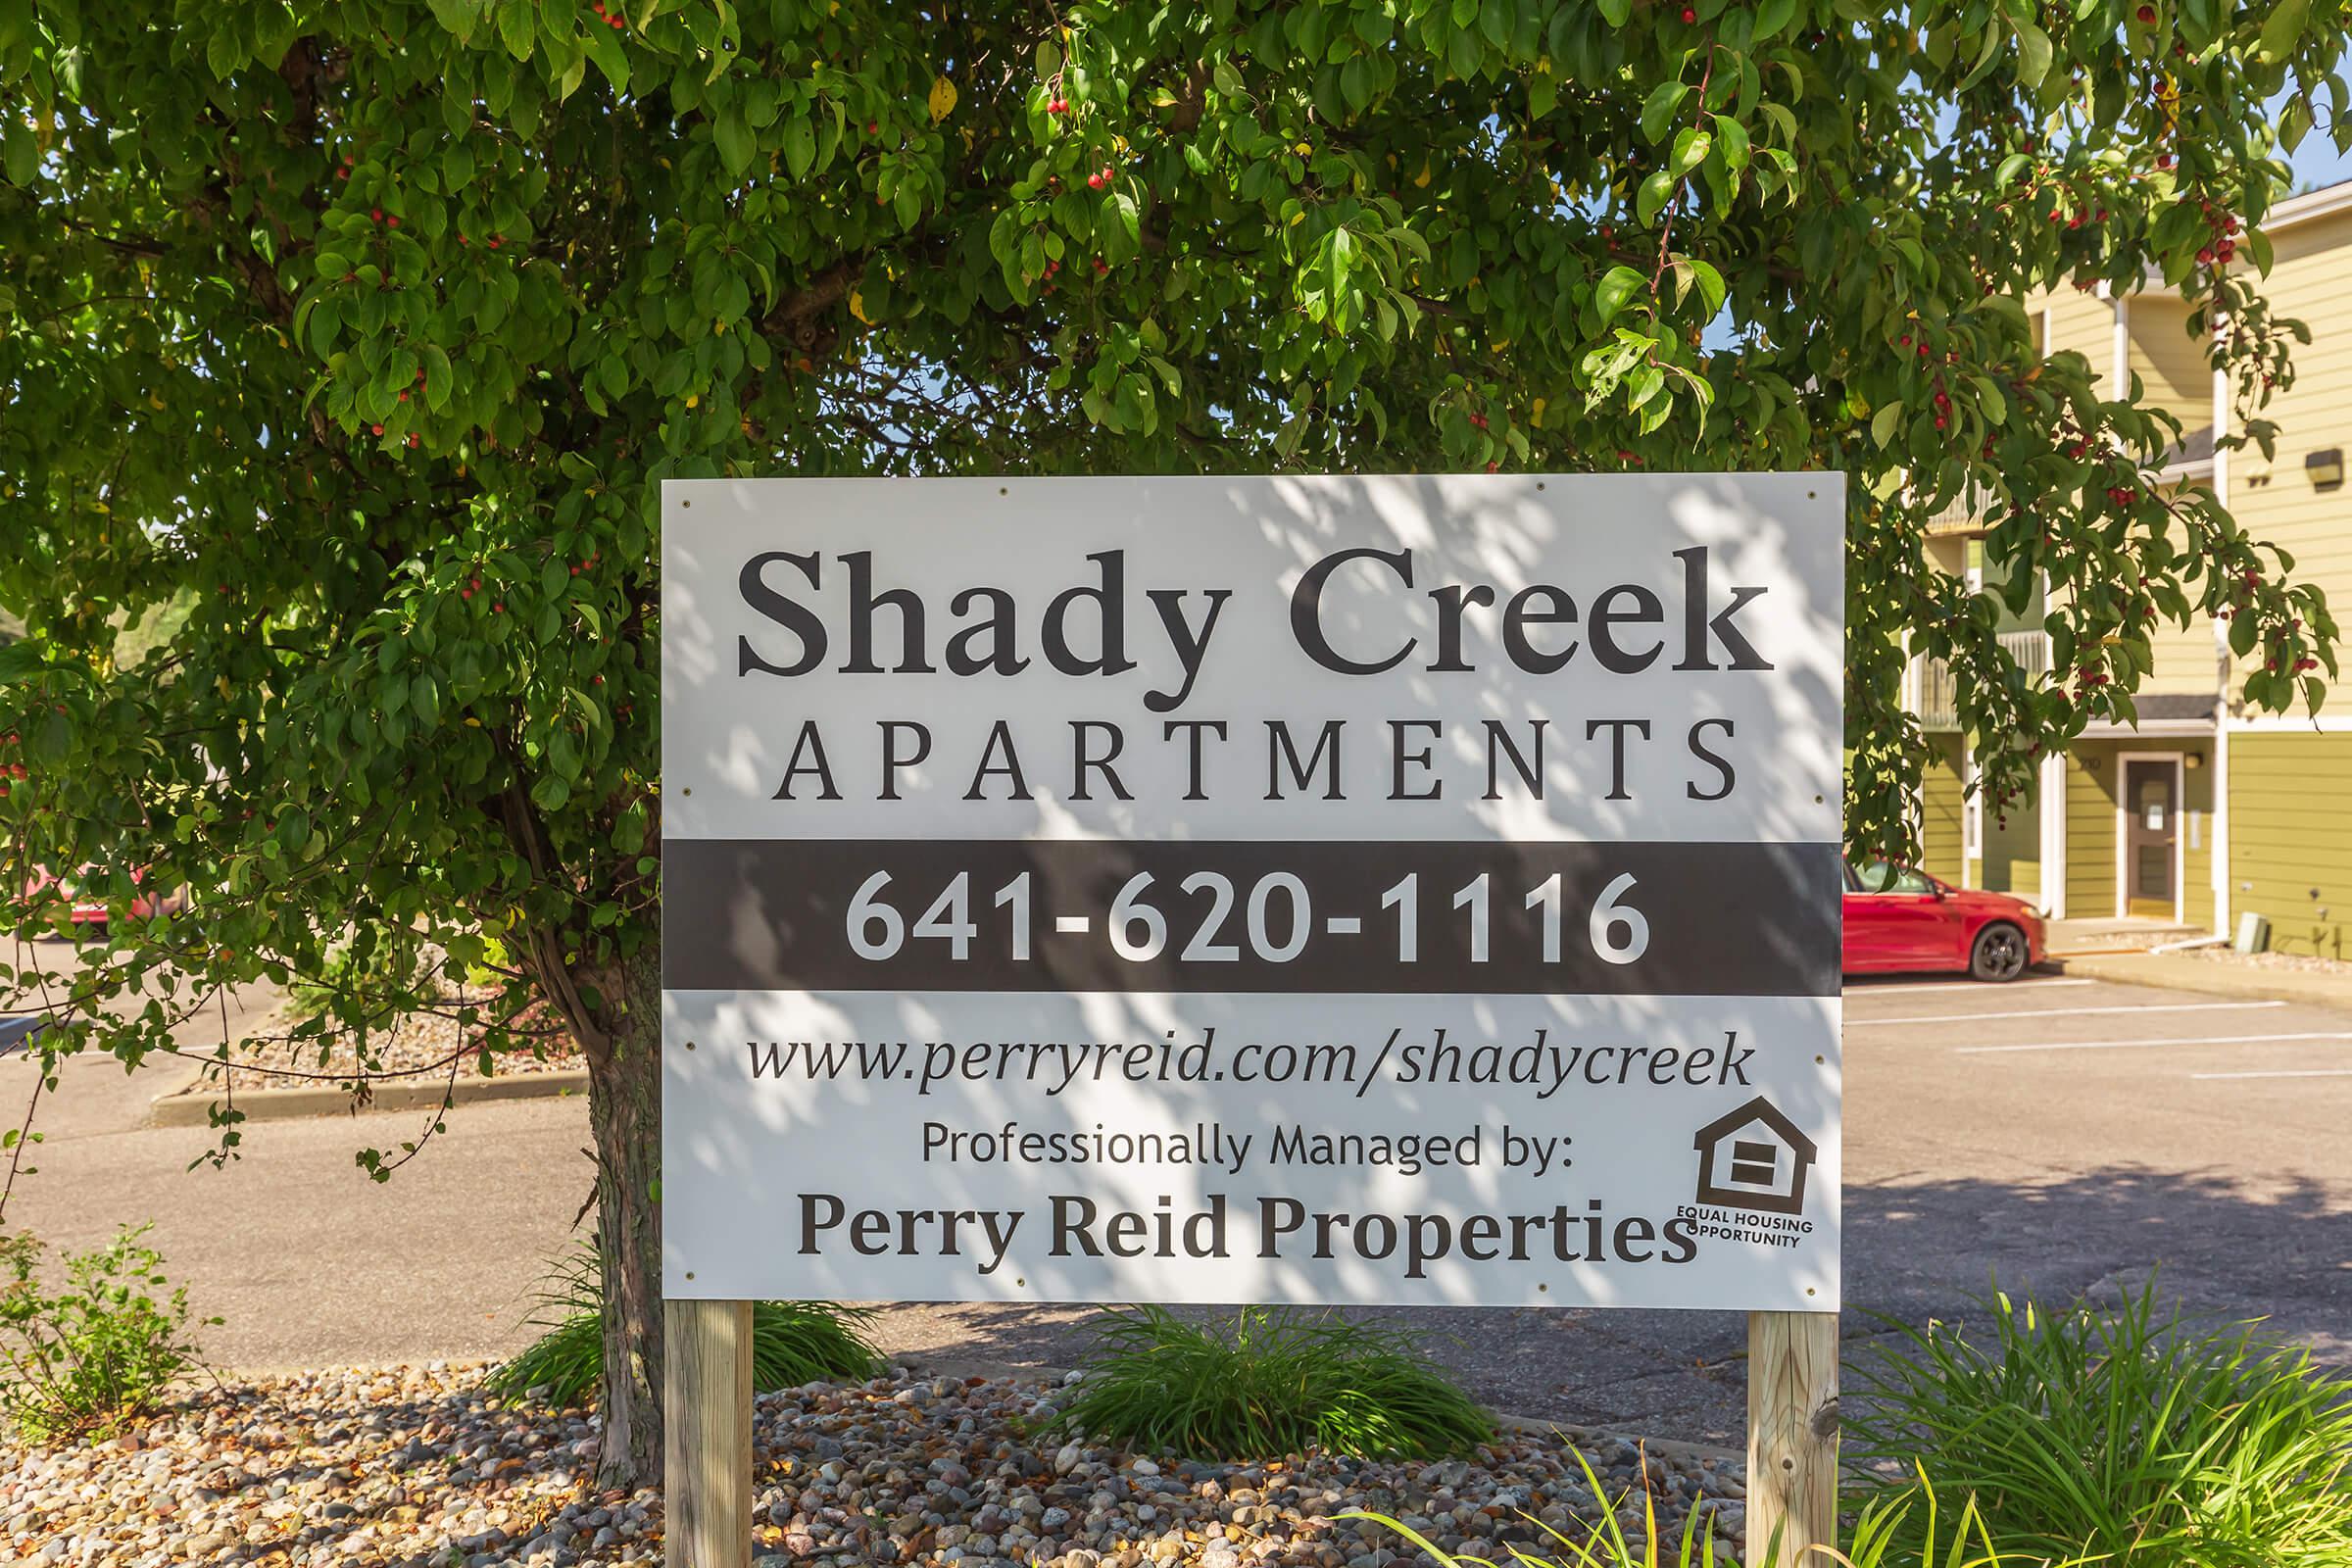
(414,1045)
(412,1466)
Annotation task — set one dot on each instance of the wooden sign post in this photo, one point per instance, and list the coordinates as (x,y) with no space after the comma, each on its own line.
(706,1434)
(1792,1438)
(1322,890)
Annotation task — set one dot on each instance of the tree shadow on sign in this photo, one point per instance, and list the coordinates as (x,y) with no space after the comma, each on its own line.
(2221,1246)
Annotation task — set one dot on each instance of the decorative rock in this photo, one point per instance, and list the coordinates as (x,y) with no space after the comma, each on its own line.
(415,1468)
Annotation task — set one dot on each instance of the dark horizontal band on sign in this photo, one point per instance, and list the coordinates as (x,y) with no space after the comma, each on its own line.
(1345,916)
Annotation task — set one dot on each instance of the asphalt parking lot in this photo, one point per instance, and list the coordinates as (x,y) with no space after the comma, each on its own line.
(2061,1135)
(2058,1135)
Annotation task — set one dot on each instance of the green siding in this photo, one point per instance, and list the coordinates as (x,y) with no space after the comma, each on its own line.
(2290,837)
(2091,830)
(1939,809)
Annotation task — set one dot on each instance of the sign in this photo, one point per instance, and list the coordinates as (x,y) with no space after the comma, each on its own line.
(1402,890)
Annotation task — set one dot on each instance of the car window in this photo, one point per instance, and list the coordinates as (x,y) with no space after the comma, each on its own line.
(1881,876)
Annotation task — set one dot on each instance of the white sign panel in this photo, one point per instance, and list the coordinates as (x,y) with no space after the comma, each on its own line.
(1401,890)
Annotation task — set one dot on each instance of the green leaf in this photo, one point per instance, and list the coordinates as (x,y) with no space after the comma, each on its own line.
(1710,286)
(1883,423)
(515,27)
(1731,138)
(1657,192)
(1615,12)
(2033,54)
(799,146)
(1690,148)
(1658,108)
(2281,31)
(1620,285)
(733,140)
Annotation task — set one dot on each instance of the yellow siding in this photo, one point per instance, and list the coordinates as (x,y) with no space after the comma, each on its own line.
(2288,840)
(2311,281)
(1940,811)
(2084,324)
(2170,363)
(2090,831)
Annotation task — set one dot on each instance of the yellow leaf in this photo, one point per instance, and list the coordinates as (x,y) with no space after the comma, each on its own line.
(1534,416)
(693,399)
(857,306)
(943,99)
(1422,179)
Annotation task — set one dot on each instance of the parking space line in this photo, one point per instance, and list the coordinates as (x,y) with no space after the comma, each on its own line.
(2283,1072)
(1901,990)
(2066,1012)
(2151,1042)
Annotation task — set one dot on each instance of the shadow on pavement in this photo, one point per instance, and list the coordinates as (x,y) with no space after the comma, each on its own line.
(2281,1252)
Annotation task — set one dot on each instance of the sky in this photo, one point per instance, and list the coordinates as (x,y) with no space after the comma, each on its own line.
(2317,162)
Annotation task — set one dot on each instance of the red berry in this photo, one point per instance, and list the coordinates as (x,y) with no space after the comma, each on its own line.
(375,429)
(1094,182)
(393,221)
(497,607)
(1689,16)
(404,394)
(2147,16)
(376,215)
(873,128)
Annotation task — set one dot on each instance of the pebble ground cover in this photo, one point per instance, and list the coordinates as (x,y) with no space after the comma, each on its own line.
(411,1467)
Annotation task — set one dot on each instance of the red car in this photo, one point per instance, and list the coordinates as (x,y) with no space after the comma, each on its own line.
(91,917)
(1899,920)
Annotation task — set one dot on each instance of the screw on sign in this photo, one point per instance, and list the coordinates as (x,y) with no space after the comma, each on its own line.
(1036,844)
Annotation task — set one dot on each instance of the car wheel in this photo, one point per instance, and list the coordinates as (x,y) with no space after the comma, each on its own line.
(1999,954)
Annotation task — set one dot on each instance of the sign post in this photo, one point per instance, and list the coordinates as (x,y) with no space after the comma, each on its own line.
(1410,890)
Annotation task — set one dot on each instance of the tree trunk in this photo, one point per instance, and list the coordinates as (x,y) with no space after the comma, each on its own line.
(624,1109)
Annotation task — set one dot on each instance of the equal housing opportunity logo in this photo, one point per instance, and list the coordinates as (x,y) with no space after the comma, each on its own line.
(1752,1161)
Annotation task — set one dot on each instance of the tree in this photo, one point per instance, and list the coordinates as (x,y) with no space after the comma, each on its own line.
(367,329)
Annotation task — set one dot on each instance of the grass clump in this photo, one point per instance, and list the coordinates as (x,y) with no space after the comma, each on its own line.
(1272,1382)
(96,1356)
(1875,1539)
(792,1342)
(2132,1436)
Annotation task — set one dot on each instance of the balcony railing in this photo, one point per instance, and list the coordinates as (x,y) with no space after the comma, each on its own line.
(1938,696)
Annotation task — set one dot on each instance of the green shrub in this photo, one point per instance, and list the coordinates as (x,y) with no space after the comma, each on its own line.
(1874,1536)
(97,1356)
(2127,1436)
(792,1342)
(1278,1382)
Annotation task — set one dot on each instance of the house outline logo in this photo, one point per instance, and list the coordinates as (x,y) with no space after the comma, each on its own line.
(1763,1174)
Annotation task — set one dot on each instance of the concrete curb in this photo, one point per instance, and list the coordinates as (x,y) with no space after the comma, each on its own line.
(1671,1448)
(193,1107)
(2203,976)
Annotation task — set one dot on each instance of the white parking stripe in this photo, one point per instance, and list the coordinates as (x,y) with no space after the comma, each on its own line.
(2151,1042)
(2067,1013)
(1852,992)
(2304,1072)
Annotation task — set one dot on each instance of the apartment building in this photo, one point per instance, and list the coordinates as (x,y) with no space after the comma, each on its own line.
(2201,811)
